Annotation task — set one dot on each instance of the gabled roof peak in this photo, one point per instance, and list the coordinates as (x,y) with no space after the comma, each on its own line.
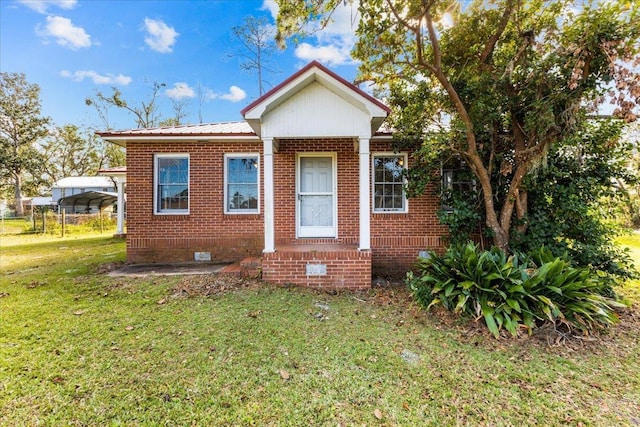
(318,66)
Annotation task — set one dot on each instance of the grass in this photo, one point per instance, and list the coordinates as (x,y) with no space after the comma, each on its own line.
(78,347)
(10,226)
(631,290)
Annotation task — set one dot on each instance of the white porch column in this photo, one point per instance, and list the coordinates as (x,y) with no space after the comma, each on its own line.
(120,219)
(365,195)
(267,167)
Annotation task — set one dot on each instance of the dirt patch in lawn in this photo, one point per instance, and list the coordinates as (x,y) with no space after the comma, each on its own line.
(214,284)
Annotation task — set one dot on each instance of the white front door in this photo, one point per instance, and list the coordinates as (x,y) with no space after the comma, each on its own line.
(316,198)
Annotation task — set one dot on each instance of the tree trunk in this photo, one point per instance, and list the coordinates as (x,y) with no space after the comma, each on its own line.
(18,195)
(500,235)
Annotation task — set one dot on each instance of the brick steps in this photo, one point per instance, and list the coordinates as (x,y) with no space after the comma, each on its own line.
(247,267)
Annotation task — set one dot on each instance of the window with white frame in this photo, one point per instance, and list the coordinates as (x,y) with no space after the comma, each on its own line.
(171,194)
(457,183)
(388,183)
(241,189)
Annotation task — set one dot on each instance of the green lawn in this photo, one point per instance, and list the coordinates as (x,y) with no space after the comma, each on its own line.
(80,348)
(632,242)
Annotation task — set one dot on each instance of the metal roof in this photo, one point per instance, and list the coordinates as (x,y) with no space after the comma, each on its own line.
(90,198)
(113,170)
(84,182)
(240,128)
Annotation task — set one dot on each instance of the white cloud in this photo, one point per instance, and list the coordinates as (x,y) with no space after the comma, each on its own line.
(180,90)
(160,37)
(235,94)
(41,6)
(65,33)
(333,43)
(99,79)
(271,6)
(329,55)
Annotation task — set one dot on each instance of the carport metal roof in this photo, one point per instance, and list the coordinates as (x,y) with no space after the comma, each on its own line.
(90,198)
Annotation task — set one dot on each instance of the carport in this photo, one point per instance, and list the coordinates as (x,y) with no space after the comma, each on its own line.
(88,202)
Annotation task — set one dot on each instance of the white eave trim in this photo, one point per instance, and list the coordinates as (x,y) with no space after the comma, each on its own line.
(123,140)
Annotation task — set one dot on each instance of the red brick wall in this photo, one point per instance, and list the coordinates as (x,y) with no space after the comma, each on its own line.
(284,163)
(175,238)
(396,238)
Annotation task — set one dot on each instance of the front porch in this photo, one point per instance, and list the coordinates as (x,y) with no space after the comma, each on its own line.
(335,266)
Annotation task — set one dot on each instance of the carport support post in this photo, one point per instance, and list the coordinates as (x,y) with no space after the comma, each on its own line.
(64,220)
(120,218)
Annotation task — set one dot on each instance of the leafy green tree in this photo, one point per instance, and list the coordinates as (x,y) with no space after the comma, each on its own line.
(574,205)
(511,78)
(70,154)
(21,127)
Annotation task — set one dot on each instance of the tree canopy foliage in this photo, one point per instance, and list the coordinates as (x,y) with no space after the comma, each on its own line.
(21,126)
(69,153)
(505,79)
(33,153)
(573,202)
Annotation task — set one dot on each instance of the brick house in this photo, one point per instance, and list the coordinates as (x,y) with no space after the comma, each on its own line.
(307,181)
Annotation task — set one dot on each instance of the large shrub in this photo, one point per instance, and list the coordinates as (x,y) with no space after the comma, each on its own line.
(513,292)
(573,205)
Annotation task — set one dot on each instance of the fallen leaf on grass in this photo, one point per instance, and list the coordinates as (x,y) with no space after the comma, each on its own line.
(162,301)
(284,374)
(254,314)
(78,312)
(129,328)
(405,406)
(57,380)
(378,413)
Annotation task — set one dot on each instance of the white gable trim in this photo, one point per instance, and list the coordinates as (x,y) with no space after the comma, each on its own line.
(255,113)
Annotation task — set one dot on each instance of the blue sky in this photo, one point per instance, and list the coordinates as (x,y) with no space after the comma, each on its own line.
(72,48)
